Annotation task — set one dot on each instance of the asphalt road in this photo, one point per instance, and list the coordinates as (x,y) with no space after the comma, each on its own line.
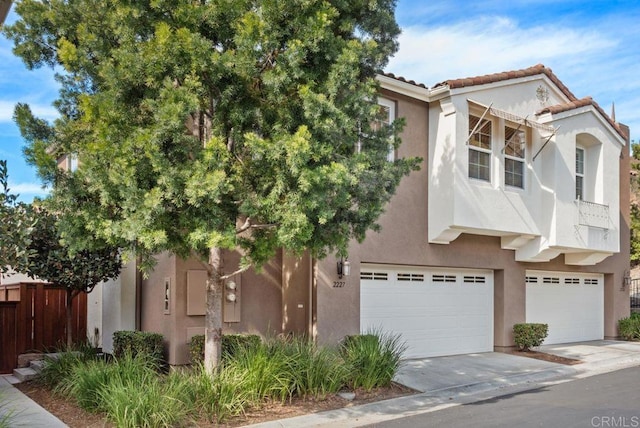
(603,401)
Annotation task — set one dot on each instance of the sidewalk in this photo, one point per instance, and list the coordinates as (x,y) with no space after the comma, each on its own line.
(456,380)
(22,411)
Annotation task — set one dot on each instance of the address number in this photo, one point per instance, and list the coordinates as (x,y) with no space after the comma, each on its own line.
(339,284)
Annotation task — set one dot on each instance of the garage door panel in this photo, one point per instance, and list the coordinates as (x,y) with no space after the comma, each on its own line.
(445,317)
(572,305)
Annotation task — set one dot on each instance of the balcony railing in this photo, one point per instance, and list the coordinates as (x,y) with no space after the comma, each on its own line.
(592,214)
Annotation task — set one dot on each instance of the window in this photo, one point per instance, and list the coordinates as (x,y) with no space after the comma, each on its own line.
(72,163)
(579,173)
(386,117)
(480,148)
(514,148)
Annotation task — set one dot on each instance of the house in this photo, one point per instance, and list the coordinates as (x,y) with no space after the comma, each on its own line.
(519,214)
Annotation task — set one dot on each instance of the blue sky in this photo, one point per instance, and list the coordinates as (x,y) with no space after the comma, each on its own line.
(592,46)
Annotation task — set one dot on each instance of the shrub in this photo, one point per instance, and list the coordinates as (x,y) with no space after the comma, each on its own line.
(58,368)
(629,328)
(316,371)
(156,402)
(373,359)
(6,414)
(222,395)
(138,342)
(230,345)
(529,335)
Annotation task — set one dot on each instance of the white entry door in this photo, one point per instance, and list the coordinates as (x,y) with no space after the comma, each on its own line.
(572,304)
(437,312)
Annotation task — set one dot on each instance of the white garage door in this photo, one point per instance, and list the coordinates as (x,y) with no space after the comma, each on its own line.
(571,303)
(437,312)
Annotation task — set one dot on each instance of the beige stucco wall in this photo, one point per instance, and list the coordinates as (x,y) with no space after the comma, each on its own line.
(260,303)
(403,240)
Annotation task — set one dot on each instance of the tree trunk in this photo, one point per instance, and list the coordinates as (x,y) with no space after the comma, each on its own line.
(69,310)
(213,317)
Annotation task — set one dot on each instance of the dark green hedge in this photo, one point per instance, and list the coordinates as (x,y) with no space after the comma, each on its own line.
(231,343)
(529,335)
(629,328)
(138,342)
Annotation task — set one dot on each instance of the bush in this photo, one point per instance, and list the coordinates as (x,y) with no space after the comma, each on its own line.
(629,328)
(230,345)
(58,368)
(314,371)
(138,342)
(529,335)
(373,359)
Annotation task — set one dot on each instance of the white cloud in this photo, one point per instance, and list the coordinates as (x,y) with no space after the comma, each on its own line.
(598,60)
(31,189)
(41,111)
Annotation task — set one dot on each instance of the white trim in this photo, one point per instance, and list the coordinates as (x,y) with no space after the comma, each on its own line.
(404,88)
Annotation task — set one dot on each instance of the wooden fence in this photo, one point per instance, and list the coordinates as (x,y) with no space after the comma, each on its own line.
(33,318)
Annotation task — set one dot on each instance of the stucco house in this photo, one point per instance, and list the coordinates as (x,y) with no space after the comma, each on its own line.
(519,214)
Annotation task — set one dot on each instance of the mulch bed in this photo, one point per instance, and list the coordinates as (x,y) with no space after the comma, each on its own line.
(545,357)
(75,417)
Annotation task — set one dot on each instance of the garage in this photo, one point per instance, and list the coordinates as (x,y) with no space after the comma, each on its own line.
(572,304)
(438,312)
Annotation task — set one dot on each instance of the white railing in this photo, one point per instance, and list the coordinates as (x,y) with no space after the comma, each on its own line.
(593,214)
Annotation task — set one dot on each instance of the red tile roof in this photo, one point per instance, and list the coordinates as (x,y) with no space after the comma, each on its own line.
(507,75)
(586,101)
(573,103)
(402,79)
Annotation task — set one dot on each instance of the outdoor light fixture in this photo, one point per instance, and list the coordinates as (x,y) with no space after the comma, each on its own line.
(626,280)
(344,267)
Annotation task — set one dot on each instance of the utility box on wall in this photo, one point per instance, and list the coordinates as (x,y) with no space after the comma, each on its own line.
(197,296)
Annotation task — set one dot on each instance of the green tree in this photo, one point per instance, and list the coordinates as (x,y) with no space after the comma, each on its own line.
(16,225)
(205,126)
(77,273)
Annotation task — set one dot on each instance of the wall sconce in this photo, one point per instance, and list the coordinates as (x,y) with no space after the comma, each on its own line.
(626,280)
(231,291)
(344,268)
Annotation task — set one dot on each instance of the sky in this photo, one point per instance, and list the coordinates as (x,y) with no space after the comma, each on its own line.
(593,47)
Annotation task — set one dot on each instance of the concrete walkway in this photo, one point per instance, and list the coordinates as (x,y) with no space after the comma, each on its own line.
(450,381)
(21,411)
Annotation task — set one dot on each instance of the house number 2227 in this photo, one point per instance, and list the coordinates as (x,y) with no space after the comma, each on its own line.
(339,284)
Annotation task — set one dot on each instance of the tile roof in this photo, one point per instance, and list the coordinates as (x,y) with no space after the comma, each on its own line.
(507,75)
(573,102)
(402,79)
(586,101)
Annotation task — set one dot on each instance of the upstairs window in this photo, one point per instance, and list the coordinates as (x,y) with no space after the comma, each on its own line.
(479,148)
(72,162)
(385,117)
(579,173)
(514,151)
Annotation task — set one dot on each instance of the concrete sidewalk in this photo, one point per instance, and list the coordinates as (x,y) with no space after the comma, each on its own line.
(21,411)
(450,381)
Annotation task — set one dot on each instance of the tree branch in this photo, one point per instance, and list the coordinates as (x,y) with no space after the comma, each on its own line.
(207,266)
(237,272)
(248,225)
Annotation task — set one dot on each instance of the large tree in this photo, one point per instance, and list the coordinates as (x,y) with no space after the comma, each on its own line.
(16,225)
(213,125)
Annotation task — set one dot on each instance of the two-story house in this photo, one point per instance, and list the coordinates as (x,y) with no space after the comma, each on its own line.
(519,214)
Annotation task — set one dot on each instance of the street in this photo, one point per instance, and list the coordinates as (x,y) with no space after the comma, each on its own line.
(602,401)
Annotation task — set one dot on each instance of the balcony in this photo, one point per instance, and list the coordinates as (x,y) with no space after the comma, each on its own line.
(592,214)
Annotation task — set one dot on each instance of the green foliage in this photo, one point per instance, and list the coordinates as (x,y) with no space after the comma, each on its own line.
(137,343)
(373,358)
(315,371)
(221,395)
(529,335)
(231,344)
(7,415)
(629,328)
(57,369)
(635,234)
(16,225)
(190,116)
